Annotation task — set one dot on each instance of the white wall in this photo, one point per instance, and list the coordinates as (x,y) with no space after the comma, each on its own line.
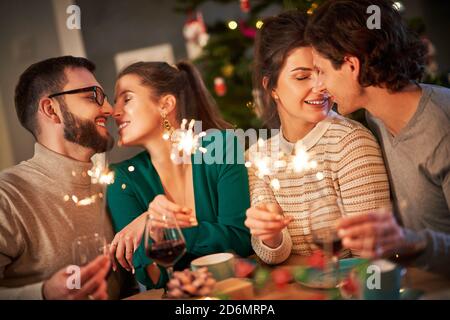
(31,31)
(6,156)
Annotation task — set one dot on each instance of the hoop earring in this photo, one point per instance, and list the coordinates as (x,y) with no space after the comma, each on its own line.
(168,129)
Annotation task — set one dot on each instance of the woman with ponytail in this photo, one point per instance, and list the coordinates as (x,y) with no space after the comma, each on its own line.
(152,98)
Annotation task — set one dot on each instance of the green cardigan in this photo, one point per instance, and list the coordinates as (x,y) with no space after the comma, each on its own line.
(221,199)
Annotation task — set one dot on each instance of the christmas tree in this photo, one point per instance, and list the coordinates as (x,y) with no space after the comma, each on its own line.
(226,59)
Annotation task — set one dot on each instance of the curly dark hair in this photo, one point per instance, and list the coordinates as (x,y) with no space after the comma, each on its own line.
(390,57)
(278,36)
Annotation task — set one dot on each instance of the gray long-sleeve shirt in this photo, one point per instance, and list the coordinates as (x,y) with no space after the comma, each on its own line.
(418,165)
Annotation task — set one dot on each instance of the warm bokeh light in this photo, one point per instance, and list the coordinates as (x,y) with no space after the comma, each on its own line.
(232,25)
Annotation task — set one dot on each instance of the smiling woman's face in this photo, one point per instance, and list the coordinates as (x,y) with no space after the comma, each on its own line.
(137,115)
(296,99)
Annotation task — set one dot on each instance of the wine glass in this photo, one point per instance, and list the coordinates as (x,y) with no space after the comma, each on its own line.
(164,241)
(323,227)
(88,247)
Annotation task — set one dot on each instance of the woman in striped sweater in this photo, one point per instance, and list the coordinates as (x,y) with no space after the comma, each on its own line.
(354,177)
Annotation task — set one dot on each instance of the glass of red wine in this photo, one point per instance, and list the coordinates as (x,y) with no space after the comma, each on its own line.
(323,227)
(164,241)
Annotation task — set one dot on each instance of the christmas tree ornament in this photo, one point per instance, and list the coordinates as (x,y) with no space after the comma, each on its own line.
(194,32)
(228,70)
(246,30)
(245,5)
(220,87)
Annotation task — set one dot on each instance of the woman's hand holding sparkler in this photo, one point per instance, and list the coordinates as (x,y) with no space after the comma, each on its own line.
(266,222)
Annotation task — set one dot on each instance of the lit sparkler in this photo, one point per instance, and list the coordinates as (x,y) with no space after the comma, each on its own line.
(101,175)
(184,141)
(267,165)
(300,161)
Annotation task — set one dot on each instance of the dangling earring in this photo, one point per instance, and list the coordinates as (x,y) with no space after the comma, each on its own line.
(168,129)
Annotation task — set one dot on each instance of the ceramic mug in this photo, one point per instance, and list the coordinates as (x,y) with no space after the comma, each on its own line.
(221,265)
(382,281)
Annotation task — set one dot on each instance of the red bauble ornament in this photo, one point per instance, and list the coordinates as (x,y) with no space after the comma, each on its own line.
(245,5)
(220,87)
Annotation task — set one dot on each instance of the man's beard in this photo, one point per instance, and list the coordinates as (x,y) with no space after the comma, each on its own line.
(84,132)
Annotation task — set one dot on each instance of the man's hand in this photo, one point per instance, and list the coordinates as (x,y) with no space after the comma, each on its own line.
(93,282)
(377,235)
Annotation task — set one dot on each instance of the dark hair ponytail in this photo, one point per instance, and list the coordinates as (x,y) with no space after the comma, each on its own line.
(185,82)
(197,100)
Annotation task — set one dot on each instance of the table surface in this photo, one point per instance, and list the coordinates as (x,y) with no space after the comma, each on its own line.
(416,279)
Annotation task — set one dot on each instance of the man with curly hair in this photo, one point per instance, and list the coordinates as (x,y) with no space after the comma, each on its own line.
(379,70)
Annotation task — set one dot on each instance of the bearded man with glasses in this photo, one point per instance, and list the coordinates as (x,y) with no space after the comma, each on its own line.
(62,105)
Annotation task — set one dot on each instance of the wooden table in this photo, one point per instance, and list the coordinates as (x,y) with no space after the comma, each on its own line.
(414,279)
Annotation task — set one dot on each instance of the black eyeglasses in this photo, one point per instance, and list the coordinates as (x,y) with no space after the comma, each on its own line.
(99,95)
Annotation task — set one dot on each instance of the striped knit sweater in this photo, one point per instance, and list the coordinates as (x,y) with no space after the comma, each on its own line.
(354,181)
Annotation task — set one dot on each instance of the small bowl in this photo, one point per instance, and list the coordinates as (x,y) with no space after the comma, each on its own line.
(221,265)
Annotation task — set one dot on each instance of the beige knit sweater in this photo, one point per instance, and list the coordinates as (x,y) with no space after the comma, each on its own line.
(39,221)
(353,173)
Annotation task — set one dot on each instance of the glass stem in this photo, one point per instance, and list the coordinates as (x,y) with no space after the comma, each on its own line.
(170,276)
(169,272)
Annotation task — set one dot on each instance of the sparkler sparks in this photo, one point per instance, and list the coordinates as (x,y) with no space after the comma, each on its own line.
(101,175)
(185,142)
(301,160)
(275,184)
(83,202)
(86,201)
(267,165)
